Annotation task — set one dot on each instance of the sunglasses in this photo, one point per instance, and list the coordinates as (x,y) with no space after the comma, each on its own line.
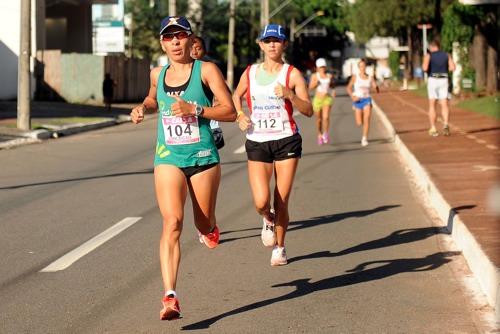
(179,35)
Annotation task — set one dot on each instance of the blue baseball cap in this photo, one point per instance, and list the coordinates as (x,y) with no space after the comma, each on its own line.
(175,21)
(273,30)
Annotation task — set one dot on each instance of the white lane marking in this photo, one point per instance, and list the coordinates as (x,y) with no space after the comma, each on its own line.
(480,141)
(67,260)
(492,147)
(485,168)
(240,150)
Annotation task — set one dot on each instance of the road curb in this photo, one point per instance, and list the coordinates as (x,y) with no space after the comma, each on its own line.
(487,274)
(37,136)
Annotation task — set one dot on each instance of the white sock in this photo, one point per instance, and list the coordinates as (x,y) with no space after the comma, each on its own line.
(170,292)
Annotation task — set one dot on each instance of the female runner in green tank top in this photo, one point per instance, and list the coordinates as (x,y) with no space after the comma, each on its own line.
(186,158)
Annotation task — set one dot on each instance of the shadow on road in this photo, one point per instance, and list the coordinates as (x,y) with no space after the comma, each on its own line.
(360,274)
(396,238)
(316,221)
(145,171)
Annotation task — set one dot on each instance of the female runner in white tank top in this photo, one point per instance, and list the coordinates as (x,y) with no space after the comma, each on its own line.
(323,99)
(272,90)
(359,90)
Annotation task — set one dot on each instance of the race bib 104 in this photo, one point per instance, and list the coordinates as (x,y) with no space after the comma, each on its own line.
(181,130)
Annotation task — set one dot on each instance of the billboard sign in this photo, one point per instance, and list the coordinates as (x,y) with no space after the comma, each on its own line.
(108,28)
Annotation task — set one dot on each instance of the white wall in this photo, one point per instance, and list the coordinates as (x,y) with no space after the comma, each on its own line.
(10,35)
(9,47)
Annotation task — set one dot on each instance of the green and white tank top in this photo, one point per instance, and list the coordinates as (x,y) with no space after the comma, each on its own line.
(184,141)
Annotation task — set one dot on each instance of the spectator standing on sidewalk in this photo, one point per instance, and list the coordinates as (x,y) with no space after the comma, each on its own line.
(186,158)
(437,64)
(322,82)
(108,87)
(359,90)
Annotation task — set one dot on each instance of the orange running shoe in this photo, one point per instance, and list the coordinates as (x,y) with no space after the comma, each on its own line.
(171,309)
(211,240)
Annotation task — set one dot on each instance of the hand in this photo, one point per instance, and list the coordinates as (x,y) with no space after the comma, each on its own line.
(244,122)
(137,114)
(354,98)
(182,108)
(283,92)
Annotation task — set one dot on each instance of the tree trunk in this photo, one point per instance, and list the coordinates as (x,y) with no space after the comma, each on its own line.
(492,70)
(478,59)
(409,62)
(438,22)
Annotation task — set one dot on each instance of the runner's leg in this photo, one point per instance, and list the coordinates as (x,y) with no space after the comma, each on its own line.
(445,111)
(285,173)
(203,188)
(171,192)
(367,112)
(432,113)
(259,175)
(325,118)
(358,115)
(318,122)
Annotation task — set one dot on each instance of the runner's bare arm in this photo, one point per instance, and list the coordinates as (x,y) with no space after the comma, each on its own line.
(243,120)
(425,63)
(349,88)
(297,93)
(149,103)
(314,82)
(332,86)
(224,110)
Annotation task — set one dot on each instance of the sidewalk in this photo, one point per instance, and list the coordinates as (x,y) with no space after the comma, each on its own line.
(456,173)
(55,119)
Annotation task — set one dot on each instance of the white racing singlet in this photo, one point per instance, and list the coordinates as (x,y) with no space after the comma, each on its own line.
(271,115)
(362,87)
(323,84)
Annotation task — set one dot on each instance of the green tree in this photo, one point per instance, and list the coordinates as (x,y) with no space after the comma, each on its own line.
(145,25)
(475,28)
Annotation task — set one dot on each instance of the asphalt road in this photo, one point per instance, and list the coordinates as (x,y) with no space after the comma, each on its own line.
(364,254)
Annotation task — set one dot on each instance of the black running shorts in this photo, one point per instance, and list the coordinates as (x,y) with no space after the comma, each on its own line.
(274,150)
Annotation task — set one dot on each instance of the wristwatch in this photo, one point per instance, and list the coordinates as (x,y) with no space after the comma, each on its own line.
(198,110)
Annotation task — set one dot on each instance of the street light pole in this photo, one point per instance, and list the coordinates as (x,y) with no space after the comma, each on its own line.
(424,28)
(280,7)
(23,88)
(230,45)
(264,13)
(309,19)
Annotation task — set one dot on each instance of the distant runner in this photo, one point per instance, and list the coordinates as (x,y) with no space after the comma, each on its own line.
(199,51)
(437,64)
(359,90)
(323,99)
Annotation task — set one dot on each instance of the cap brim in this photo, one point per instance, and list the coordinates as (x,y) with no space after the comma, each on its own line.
(174,25)
(277,37)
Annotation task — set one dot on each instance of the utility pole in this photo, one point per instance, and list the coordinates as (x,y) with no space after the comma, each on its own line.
(23,84)
(264,13)
(424,28)
(230,45)
(171,8)
(195,16)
